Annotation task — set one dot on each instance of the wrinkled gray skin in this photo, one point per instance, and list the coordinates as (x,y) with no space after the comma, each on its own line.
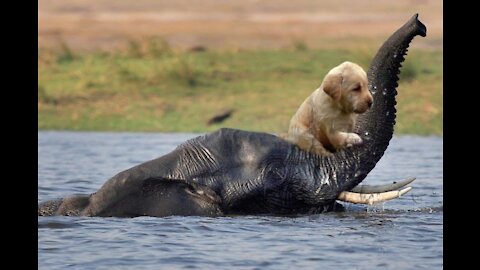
(231,172)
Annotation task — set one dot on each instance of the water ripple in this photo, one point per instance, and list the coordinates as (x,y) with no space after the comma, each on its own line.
(406,233)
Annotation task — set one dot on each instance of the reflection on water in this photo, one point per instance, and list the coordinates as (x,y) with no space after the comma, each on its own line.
(406,233)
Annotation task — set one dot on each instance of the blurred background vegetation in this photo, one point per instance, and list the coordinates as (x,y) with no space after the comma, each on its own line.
(150,65)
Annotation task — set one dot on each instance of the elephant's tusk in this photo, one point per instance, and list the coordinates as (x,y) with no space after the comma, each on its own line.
(371,198)
(382,188)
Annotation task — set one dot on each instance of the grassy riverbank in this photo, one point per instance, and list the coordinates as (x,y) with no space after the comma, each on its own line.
(151,87)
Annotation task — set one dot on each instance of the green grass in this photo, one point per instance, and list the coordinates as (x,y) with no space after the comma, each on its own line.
(153,87)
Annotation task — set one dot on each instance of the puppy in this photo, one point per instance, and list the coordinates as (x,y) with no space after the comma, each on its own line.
(324,122)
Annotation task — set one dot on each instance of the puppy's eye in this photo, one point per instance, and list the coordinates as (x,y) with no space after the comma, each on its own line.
(356,89)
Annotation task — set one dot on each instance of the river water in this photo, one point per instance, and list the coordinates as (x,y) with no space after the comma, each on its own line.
(406,233)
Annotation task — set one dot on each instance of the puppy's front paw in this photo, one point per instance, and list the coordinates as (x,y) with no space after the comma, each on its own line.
(353,139)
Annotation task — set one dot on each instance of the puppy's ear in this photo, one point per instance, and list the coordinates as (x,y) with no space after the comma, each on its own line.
(332,85)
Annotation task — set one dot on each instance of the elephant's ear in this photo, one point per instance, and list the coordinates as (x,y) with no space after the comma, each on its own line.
(165,197)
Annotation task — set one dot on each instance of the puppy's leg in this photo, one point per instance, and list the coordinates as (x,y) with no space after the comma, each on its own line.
(341,139)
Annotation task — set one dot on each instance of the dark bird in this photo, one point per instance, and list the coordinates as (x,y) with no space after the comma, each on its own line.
(219,118)
(198,48)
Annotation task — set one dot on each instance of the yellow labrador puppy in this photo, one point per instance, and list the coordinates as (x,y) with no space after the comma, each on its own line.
(325,120)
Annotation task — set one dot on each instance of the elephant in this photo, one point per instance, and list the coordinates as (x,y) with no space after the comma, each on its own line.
(237,172)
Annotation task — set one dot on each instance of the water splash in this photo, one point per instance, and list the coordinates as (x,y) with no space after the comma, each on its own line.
(376,208)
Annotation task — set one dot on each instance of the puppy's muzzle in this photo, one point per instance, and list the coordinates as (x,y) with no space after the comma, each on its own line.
(364,106)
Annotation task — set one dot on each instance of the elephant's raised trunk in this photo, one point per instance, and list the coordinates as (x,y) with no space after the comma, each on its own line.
(376,126)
